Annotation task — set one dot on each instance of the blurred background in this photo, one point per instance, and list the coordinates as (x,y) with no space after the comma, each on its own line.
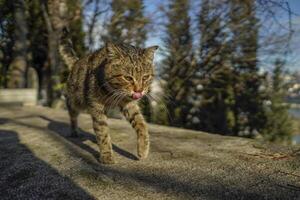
(224,66)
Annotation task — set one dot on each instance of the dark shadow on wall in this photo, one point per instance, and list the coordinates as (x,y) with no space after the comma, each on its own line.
(24,176)
(63,129)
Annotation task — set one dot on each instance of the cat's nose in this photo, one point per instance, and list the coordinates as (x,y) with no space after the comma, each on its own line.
(137,95)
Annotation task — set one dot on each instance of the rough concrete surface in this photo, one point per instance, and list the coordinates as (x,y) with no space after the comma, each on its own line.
(39,161)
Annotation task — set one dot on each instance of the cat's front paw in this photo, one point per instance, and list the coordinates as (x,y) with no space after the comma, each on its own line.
(143,154)
(107,160)
(143,149)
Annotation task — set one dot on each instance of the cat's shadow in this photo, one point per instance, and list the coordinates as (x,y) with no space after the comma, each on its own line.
(63,129)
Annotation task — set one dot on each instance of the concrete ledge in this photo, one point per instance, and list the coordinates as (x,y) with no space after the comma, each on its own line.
(38,160)
(26,97)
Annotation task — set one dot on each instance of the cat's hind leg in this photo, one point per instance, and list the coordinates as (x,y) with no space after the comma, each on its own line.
(101,131)
(73,113)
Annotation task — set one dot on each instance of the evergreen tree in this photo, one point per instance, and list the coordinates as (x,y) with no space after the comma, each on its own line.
(212,102)
(37,41)
(248,109)
(127,23)
(177,65)
(278,126)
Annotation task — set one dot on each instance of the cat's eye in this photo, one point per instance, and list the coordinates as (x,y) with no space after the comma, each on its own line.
(146,77)
(128,78)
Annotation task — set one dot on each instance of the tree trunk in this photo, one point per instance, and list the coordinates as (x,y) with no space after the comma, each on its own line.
(55,22)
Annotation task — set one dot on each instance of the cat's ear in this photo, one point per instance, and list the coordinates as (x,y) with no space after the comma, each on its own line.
(149,52)
(112,50)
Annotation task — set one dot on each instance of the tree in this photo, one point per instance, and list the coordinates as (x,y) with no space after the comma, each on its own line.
(38,46)
(212,96)
(127,23)
(278,126)
(94,12)
(6,39)
(57,15)
(248,109)
(177,65)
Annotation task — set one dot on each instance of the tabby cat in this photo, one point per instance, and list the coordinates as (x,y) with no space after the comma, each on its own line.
(116,75)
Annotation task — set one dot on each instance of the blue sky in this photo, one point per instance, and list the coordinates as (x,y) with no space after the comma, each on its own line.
(295,5)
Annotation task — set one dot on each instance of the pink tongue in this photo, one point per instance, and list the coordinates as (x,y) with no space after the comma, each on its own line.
(137,95)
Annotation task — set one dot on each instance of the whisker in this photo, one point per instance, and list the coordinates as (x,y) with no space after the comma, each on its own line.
(111,98)
(115,99)
(164,107)
(119,99)
(113,91)
(164,97)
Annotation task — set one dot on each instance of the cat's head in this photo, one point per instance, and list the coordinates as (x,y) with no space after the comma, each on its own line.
(129,69)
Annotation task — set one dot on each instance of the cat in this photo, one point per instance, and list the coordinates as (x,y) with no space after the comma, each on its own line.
(116,75)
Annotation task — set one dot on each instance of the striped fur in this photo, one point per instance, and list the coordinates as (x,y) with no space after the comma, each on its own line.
(132,113)
(66,50)
(106,79)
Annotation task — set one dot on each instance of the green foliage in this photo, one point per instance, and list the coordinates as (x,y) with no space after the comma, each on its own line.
(228,92)
(38,51)
(215,113)
(215,75)
(279,125)
(160,115)
(177,65)
(146,108)
(6,39)
(127,23)
(37,37)
(248,108)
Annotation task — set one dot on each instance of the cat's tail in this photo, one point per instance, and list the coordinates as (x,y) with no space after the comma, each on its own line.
(66,49)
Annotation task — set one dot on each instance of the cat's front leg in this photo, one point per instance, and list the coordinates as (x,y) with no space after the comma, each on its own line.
(133,114)
(101,131)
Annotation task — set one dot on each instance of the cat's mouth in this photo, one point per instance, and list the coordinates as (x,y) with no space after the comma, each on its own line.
(137,95)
